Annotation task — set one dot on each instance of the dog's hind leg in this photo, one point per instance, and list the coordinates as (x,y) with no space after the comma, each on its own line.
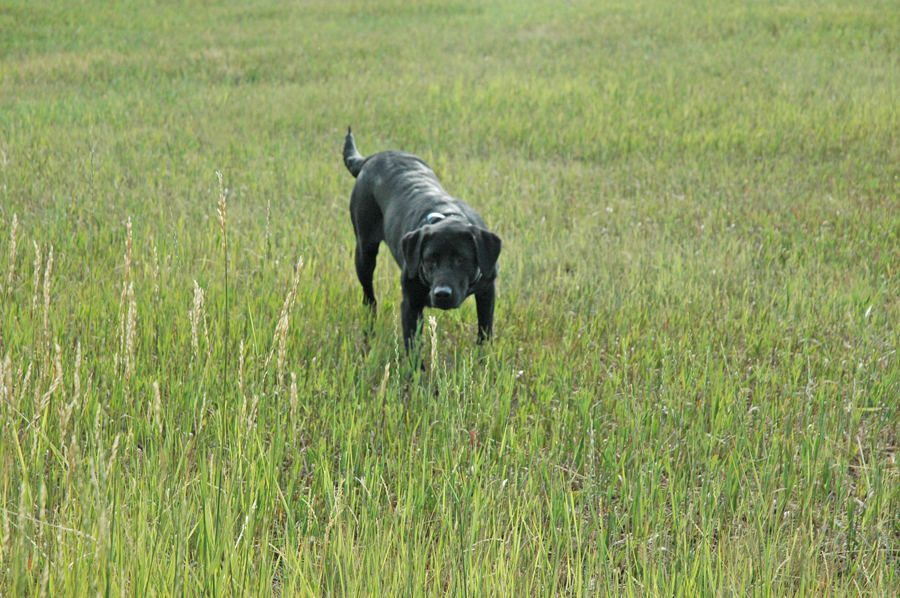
(366,258)
(368,226)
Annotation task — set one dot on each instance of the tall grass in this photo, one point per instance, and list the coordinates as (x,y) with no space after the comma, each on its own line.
(693,385)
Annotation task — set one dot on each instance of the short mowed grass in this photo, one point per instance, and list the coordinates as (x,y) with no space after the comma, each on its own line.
(693,386)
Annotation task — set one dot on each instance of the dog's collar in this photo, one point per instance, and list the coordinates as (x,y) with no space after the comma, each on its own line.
(475,280)
(435,217)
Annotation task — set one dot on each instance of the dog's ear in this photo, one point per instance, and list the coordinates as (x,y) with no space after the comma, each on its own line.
(488,246)
(411,245)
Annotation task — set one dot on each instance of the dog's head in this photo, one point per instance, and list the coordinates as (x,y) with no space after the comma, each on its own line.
(449,257)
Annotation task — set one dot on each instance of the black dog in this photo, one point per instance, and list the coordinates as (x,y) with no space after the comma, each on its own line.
(441,243)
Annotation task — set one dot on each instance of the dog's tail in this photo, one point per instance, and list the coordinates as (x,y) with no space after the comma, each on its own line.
(352,158)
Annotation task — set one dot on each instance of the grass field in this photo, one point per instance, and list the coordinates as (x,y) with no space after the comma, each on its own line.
(693,389)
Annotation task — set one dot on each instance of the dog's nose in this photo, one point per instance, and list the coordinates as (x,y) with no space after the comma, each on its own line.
(443,293)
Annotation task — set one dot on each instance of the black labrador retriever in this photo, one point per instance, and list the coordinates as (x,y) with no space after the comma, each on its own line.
(441,243)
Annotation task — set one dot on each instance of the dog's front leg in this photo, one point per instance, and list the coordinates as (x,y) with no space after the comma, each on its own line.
(411,320)
(415,298)
(484,302)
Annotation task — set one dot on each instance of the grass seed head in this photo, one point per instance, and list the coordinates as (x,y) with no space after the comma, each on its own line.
(36,278)
(384,380)
(87,388)
(336,508)
(45,578)
(114,451)
(128,245)
(6,527)
(98,420)
(241,369)
(432,328)
(126,299)
(294,400)
(130,329)
(195,315)
(47,272)
(202,421)
(65,414)
(24,386)
(77,389)
(157,407)
(268,213)
(251,417)
(23,506)
(6,391)
(281,328)
(155,273)
(102,533)
(71,455)
(222,210)
(57,380)
(12,253)
(42,504)
(126,331)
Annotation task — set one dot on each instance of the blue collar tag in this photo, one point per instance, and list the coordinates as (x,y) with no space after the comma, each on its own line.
(434,217)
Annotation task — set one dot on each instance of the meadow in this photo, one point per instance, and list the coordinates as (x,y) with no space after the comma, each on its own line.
(693,385)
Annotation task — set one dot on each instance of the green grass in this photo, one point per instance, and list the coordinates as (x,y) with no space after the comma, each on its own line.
(693,389)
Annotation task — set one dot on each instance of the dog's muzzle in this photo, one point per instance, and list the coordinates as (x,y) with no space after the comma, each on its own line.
(443,297)
(442,293)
